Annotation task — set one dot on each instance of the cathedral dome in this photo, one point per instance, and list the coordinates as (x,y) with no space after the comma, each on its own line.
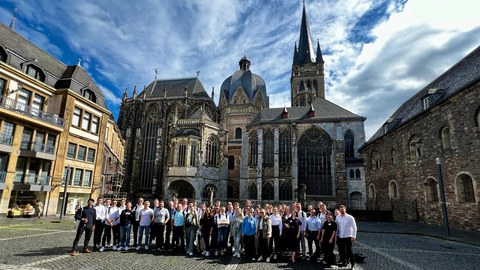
(246,79)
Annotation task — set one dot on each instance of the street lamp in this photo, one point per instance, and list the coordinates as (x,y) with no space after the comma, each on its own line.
(66,183)
(442,196)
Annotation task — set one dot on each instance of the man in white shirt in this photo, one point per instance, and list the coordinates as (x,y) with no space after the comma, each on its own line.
(107,225)
(145,217)
(136,209)
(101,213)
(346,235)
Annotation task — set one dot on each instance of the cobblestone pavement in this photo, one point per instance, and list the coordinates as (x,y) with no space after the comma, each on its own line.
(46,246)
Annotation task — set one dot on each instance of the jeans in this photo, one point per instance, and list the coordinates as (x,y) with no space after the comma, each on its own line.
(140,234)
(125,235)
(191,233)
(312,238)
(237,240)
(222,237)
(302,242)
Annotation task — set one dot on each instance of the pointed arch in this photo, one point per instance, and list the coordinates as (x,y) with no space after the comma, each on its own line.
(252,191)
(212,150)
(371,191)
(349,142)
(252,148)
(268,146)
(285,191)
(285,147)
(267,191)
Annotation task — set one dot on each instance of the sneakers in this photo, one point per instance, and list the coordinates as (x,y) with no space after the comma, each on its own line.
(138,248)
(73,253)
(114,248)
(268,259)
(126,248)
(274,256)
(120,248)
(207,254)
(253,259)
(238,255)
(233,250)
(221,253)
(190,253)
(146,247)
(203,252)
(102,249)
(260,259)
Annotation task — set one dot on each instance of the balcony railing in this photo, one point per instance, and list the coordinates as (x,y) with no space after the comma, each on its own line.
(6,139)
(32,179)
(37,147)
(3,174)
(13,105)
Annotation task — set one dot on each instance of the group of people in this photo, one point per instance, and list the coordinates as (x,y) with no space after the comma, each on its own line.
(258,233)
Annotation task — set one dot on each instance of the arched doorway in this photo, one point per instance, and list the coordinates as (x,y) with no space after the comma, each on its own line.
(182,188)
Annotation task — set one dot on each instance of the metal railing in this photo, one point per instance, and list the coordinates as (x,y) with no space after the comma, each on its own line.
(37,147)
(14,105)
(32,179)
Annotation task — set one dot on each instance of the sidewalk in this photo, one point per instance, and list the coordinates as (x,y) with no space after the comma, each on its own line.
(4,221)
(468,237)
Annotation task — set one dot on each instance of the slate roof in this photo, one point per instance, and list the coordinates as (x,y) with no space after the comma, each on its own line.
(176,88)
(459,77)
(306,53)
(251,83)
(325,111)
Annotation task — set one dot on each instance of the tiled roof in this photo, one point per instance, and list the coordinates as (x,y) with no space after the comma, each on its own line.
(460,76)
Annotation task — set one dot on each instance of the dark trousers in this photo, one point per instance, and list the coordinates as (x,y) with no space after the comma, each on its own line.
(135,232)
(327,250)
(88,233)
(312,238)
(178,237)
(116,234)
(275,242)
(97,236)
(107,235)
(168,235)
(206,239)
(249,241)
(263,246)
(159,229)
(345,250)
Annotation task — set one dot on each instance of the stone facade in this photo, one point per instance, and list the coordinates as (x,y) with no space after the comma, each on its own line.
(443,123)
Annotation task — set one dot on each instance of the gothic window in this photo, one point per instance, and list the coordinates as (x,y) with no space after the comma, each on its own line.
(238,133)
(253,149)
(431,192)
(182,154)
(150,133)
(90,95)
(314,162)
(252,191)
(465,189)
(445,136)
(3,55)
(285,147)
(212,149)
(352,174)
(309,85)
(415,147)
(231,162)
(193,154)
(268,149)
(371,191)
(375,160)
(267,191)
(349,144)
(357,174)
(392,190)
(285,191)
(393,156)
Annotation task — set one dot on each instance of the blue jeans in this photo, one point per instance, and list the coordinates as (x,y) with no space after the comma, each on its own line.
(125,235)
(140,234)
(222,236)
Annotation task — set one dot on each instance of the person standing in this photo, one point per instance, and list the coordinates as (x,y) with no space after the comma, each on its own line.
(87,217)
(107,226)
(161,217)
(263,234)
(223,222)
(115,219)
(126,220)
(206,227)
(101,213)
(329,230)
(293,227)
(314,228)
(346,235)
(191,226)
(145,218)
(249,228)
(178,224)
(277,226)
(236,232)
(136,222)
(38,207)
(302,217)
(169,225)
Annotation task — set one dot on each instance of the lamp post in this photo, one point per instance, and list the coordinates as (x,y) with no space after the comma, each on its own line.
(66,183)
(442,196)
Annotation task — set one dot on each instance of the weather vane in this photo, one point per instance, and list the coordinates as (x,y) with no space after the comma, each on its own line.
(156,72)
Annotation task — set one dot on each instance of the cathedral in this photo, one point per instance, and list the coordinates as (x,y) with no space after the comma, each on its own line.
(179,142)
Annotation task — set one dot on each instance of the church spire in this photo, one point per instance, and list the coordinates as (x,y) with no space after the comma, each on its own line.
(12,23)
(305,46)
(295,56)
(319,53)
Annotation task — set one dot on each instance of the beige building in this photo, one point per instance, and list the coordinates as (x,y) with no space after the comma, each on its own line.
(53,120)
(112,172)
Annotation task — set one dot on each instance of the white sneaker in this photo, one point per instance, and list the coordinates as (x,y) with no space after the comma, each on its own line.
(274,256)
(190,253)
(146,247)
(102,249)
(203,252)
(260,259)
(233,250)
(126,248)
(238,255)
(253,259)
(138,248)
(207,254)
(268,259)
(221,253)
(119,248)
(114,248)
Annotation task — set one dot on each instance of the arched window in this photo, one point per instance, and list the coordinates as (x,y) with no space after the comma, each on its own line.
(267,191)
(351,174)
(285,147)
(285,191)
(309,85)
(90,95)
(35,72)
(3,55)
(268,149)
(371,191)
(431,192)
(393,156)
(392,190)
(252,191)
(238,133)
(375,160)
(211,157)
(415,146)
(314,163)
(231,162)
(348,140)
(465,189)
(253,149)
(357,174)
(445,136)
(149,152)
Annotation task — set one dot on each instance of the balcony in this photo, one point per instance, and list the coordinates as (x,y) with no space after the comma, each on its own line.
(31,181)
(37,150)
(3,174)
(6,143)
(13,105)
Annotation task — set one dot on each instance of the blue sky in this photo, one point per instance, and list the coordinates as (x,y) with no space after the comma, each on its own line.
(377,53)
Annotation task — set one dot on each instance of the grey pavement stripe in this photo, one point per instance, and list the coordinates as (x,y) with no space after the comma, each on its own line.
(46,260)
(233,264)
(429,251)
(33,235)
(17,267)
(388,256)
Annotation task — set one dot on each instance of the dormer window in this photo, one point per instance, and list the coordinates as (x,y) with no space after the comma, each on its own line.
(285,113)
(3,55)
(90,95)
(426,103)
(35,72)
